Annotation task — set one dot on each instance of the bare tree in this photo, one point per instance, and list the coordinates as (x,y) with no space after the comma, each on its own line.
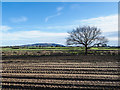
(101,41)
(86,36)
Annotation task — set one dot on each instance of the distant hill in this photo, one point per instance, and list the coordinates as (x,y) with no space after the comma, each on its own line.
(45,45)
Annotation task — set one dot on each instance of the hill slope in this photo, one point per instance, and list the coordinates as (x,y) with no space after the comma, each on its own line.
(45,45)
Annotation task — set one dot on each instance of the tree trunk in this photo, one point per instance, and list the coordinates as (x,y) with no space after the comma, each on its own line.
(86,50)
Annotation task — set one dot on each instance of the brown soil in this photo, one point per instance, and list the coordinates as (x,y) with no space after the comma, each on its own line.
(55,72)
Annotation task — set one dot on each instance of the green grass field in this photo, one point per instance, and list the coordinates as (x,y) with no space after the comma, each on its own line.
(61,48)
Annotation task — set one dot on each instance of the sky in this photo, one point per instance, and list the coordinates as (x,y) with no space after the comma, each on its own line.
(49,22)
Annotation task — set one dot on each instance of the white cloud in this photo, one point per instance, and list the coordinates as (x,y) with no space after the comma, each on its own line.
(112,38)
(59,9)
(55,15)
(5,28)
(52,16)
(20,35)
(26,37)
(106,23)
(19,19)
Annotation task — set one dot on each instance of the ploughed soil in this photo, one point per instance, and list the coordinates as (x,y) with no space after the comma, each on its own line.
(60,72)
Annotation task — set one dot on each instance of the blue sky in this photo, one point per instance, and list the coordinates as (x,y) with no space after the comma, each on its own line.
(41,22)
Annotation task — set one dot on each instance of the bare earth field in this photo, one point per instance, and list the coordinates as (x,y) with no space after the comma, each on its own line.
(55,72)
